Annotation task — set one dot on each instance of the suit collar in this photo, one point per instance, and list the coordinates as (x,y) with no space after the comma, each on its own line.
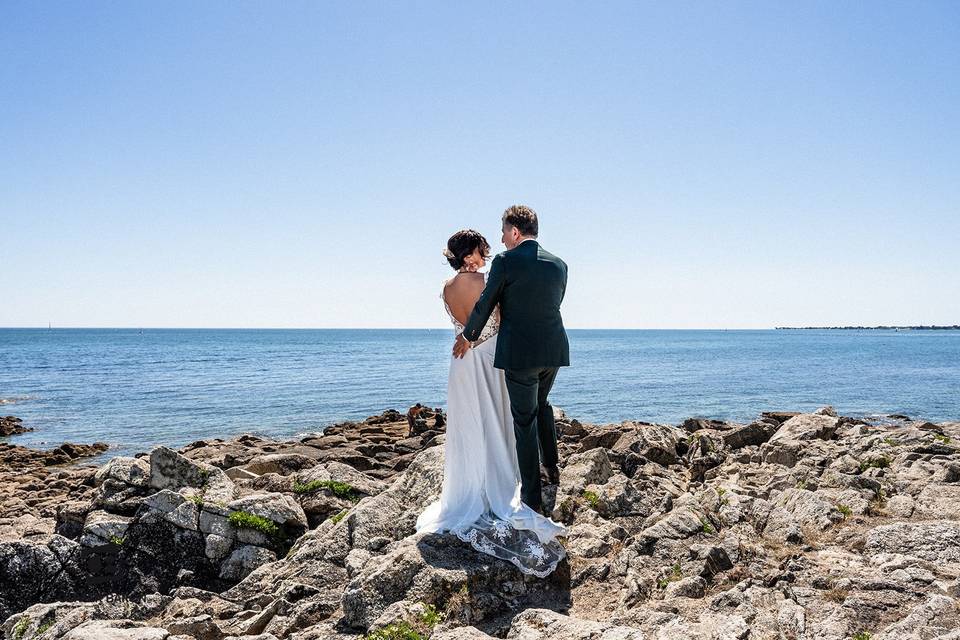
(528,241)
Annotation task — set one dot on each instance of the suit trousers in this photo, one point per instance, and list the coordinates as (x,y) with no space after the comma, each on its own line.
(533,426)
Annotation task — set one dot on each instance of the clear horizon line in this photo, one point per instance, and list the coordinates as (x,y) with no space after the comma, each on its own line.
(183,328)
(187,328)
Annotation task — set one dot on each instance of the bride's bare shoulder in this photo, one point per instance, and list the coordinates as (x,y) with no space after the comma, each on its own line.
(465,279)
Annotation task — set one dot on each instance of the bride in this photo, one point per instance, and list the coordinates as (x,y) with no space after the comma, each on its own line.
(480,500)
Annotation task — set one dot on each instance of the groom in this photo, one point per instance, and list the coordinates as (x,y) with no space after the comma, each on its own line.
(528,283)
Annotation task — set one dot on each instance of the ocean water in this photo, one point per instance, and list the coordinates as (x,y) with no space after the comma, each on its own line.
(138,388)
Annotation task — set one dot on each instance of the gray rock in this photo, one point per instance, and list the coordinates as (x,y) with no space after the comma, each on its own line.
(937,541)
(543,624)
(755,433)
(901,506)
(57,617)
(200,627)
(277,507)
(171,470)
(590,467)
(216,524)
(706,561)
(692,587)
(939,501)
(422,568)
(684,521)
(175,509)
(808,508)
(654,442)
(244,560)
(460,633)
(32,572)
(586,540)
(217,547)
(101,527)
(791,621)
(806,426)
(130,471)
(115,630)
(362,484)
(934,618)
(318,558)
(710,626)
(281,463)
(219,488)
(238,473)
(621,497)
(118,497)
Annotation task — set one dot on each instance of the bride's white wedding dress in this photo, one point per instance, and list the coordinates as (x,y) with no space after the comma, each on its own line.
(480,499)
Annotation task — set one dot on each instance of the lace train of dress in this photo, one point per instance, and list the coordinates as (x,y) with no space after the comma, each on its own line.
(480,500)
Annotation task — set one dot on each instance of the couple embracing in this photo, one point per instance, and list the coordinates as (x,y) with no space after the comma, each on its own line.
(510,344)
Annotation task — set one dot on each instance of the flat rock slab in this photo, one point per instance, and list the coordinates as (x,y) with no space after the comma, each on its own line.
(937,541)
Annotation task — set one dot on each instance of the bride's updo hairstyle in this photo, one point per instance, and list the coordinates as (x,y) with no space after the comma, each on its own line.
(462,244)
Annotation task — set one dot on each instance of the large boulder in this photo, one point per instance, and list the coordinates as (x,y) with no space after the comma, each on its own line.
(130,471)
(121,484)
(32,572)
(806,426)
(277,507)
(435,569)
(755,433)
(641,441)
(283,464)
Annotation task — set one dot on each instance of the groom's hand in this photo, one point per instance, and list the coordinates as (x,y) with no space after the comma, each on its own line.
(460,347)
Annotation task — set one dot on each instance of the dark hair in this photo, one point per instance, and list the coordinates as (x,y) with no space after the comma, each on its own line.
(462,244)
(523,218)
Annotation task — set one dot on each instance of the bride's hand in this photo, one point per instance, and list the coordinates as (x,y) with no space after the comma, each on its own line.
(460,347)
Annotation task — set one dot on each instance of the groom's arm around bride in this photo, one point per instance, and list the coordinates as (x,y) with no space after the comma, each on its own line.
(529,283)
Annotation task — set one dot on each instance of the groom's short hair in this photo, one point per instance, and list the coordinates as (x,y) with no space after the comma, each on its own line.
(523,218)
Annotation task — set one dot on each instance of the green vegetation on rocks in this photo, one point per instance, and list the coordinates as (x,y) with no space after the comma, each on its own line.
(340,489)
(875,463)
(592,499)
(246,520)
(21,627)
(416,629)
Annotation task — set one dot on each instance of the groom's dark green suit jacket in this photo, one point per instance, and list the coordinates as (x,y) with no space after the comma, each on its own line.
(528,282)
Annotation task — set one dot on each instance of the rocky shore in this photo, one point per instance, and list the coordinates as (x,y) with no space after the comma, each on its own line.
(795,526)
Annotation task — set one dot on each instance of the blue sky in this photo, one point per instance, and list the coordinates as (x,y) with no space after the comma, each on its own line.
(287,164)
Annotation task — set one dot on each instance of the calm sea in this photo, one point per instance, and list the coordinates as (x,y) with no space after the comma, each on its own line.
(135,389)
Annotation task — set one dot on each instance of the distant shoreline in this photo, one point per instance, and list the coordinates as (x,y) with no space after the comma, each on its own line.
(922,327)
